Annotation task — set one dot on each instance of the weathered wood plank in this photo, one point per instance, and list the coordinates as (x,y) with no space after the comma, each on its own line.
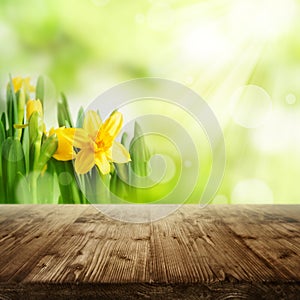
(215,252)
(35,229)
(276,241)
(96,291)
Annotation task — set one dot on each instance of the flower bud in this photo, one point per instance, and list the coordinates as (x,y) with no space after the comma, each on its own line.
(34,106)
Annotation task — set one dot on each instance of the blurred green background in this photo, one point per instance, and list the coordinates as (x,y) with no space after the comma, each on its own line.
(242,57)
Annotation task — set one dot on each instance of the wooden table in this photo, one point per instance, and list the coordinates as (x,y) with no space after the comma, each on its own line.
(217,252)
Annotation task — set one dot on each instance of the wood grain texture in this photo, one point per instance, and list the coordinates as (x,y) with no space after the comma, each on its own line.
(217,252)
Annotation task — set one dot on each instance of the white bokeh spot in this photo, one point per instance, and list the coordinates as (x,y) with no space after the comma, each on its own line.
(160,17)
(252,191)
(250,106)
(290,99)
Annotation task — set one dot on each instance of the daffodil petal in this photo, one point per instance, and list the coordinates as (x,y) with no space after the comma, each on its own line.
(27,85)
(51,131)
(102,163)
(112,125)
(81,138)
(20,126)
(64,150)
(84,161)
(119,153)
(17,83)
(32,106)
(92,123)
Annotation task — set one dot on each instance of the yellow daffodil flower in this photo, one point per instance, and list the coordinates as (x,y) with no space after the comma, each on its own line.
(65,138)
(19,82)
(96,142)
(64,135)
(32,106)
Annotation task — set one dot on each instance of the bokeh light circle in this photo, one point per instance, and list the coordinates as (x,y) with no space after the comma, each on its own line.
(64,178)
(250,106)
(252,191)
(290,98)
(160,17)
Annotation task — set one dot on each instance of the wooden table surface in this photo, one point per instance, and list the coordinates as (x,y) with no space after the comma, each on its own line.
(217,252)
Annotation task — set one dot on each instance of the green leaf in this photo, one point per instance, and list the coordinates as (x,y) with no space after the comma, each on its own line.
(60,200)
(121,176)
(40,89)
(139,152)
(47,150)
(2,191)
(12,163)
(45,183)
(70,193)
(63,112)
(2,139)
(65,190)
(118,186)
(24,194)
(80,118)
(26,148)
(12,109)
(21,100)
(4,122)
(36,129)
(124,140)
(2,133)
(122,171)
(76,193)
(97,186)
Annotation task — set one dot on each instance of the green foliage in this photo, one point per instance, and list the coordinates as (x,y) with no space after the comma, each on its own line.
(47,150)
(12,109)
(30,174)
(63,112)
(13,164)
